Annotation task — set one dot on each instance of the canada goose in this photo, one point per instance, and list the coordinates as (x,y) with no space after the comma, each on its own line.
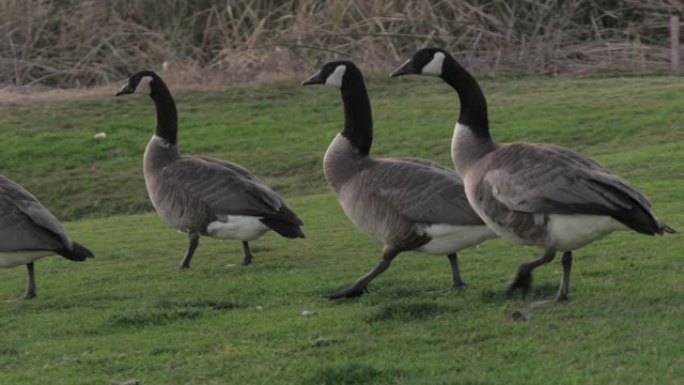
(29,231)
(535,194)
(405,203)
(200,195)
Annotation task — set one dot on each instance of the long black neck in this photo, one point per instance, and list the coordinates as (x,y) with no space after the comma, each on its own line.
(473,103)
(358,119)
(167,117)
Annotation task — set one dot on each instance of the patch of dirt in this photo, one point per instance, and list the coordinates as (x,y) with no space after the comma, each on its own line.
(14,97)
(17,97)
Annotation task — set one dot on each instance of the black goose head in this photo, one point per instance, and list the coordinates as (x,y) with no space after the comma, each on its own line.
(437,62)
(149,83)
(143,82)
(358,119)
(336,74)
(427,61)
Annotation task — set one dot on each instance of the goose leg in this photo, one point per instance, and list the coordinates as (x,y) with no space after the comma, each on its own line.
(31,287)
(564,290)
(456,280)
(247,254)
(523,278)
(359,287)
(194,241)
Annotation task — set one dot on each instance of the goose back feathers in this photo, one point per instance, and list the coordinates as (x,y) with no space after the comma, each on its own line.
(524,184)
(203,195)
(193,192)
(398,199)
(25,223)
(394,199)
(517,187)
(405,203)
(536,194)
(29,231)
(27,226)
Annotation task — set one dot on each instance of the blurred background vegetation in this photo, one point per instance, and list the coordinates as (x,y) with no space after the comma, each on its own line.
(69,43)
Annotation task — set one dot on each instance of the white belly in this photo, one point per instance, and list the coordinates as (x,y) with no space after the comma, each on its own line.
(16,258)
(241,227)
(448,239)
(569,232)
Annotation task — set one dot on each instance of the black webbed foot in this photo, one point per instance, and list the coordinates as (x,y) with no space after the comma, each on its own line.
(352,292)
(522,281)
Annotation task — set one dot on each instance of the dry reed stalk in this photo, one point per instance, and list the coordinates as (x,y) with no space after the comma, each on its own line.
(67,44)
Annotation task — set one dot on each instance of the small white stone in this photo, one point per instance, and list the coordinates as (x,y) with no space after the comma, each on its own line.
(259,308)
(308,313)
(100,135)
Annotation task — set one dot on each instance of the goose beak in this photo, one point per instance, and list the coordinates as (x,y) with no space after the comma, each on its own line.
(317,78)
(405,69)
(125,90)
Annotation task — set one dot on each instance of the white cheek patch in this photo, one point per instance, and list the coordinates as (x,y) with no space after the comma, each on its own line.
(144,85)
(335,78)
(434,67)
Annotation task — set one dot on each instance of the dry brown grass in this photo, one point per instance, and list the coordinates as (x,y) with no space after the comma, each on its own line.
(83,43)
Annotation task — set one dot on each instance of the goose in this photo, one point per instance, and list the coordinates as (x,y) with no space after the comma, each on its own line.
(200,195)
(29,231)
(405,203)
(535,194)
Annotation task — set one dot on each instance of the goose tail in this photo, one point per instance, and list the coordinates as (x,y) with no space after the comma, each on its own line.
(283,227)
(77,252)
(666,229)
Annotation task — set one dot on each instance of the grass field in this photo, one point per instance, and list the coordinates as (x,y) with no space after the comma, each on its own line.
(130,314)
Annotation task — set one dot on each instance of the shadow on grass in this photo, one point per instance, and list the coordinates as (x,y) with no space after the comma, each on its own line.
(260,249)
(198,304)
(8,351)
(163,351)
(152,317)
(411,311)
(392,290)
(598,273)
(406,289)
(349,374)
(165,311)
(546,290)
(466,382)
(489,296)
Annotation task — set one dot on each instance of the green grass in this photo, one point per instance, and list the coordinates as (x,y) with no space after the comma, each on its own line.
(129,314)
